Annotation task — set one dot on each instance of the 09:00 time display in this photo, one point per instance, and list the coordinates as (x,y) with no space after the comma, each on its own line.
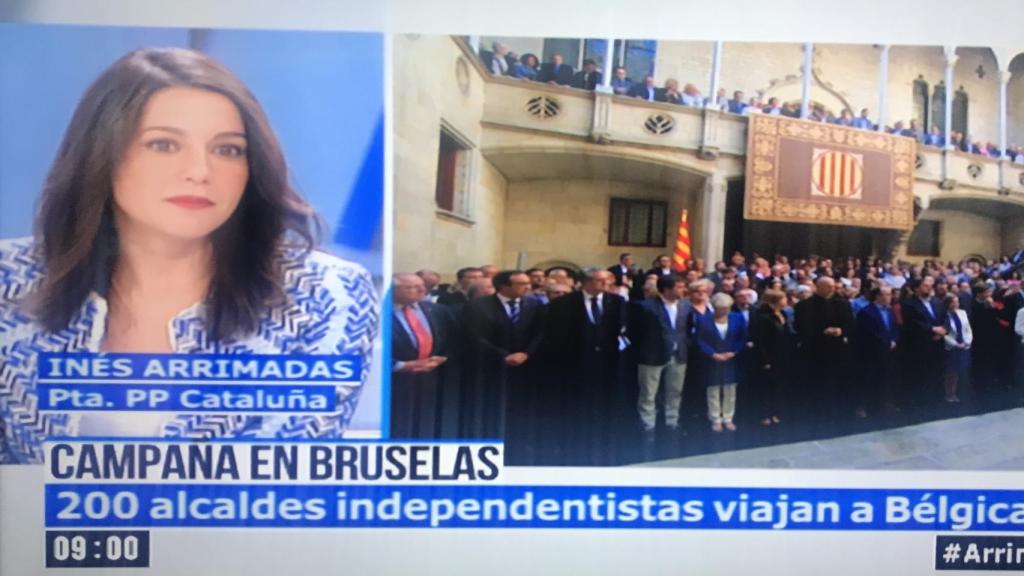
(97,548)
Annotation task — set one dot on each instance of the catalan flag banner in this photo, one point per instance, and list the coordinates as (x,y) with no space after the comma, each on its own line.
(810,172)
(682,253)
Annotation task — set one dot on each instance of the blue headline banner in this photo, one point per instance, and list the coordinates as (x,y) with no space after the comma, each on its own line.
(493,506)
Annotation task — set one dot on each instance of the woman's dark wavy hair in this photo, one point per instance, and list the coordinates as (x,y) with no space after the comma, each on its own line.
(75,230)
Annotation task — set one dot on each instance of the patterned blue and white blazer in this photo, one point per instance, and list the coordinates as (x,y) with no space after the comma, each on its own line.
(331,308)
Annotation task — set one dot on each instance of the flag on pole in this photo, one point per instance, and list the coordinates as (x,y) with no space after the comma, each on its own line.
(682,253)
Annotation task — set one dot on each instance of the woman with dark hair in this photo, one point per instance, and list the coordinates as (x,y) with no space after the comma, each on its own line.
(957,341)
(527,67)
(167,225)
(772,346)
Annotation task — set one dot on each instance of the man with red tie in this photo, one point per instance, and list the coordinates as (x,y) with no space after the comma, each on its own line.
(421,334)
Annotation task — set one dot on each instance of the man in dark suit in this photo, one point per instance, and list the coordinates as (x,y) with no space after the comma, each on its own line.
(924,321)
(422,339)
(824,326)
(588,78)
(662,266)
(581,345)
(458,297)
(505,332)
(877,336)
(660,340)
(556,71)
(647,91)
(623,271)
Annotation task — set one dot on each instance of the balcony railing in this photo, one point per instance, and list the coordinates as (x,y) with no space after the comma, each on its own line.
(606,118)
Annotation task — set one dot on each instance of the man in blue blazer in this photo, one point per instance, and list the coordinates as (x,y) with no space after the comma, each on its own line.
(924,321)
(877,337)
(660,341)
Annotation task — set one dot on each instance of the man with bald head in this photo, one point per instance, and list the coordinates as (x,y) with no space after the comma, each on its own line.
(422,338)
(824,327)
(581,347)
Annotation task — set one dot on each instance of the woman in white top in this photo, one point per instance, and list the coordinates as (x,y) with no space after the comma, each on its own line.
(958,345)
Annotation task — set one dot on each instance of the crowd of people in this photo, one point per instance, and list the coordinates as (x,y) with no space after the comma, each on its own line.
(570,367)
(502,62)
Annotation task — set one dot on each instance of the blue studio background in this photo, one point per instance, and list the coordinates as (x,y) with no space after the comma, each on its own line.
(323,92)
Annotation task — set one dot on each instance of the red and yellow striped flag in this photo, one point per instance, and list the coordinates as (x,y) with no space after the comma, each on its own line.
(682,254)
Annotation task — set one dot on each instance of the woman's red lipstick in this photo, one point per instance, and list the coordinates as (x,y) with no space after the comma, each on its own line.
(190,202)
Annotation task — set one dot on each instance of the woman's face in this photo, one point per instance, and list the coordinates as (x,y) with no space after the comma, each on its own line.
(184,171)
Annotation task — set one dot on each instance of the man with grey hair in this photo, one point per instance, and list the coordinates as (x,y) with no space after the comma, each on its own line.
(423,336)
(661,340)
(499,62)
(581,344)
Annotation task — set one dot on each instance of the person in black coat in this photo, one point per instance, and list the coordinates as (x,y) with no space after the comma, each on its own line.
(877,339)
(588,78)
(423,337)
(457,297)
(623,271)
(985,351)
(771,352)
(505,332)
(924,321)
(824,326)
(556,71)
(581,353)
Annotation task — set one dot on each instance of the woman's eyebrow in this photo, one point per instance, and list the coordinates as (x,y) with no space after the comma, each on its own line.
(172,129)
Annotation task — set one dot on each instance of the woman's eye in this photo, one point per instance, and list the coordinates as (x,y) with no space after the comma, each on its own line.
(231,150)
(162,145)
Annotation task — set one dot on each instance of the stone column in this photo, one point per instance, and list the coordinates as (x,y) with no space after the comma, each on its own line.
(883,87)
(712,222)
(609,66)
(951,58)
(1004,81)
(716,74)
(805,100)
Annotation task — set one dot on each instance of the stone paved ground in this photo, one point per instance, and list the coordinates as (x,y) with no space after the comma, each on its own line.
(993,441)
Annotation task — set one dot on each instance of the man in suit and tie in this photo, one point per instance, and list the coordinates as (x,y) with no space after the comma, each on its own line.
(877,337)
(662,266)
(464,278)
(588,78)
(824,326)
(660,340)
(581,347)
(556,71)
(505,332)
(924,321)
(422,338)
(623,271)
(647,90)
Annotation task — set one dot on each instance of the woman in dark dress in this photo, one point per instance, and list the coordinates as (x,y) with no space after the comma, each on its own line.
(771,344)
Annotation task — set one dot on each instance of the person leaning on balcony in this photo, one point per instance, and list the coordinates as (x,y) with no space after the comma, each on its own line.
(527,68)
(691,96)
(556,71)
(863,122)
(588,78)
(736,105)
(621,85)
(773,107)
(671,93)
(499,64)
(646,91)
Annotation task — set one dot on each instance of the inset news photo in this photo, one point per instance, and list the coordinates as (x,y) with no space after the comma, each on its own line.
(618,251)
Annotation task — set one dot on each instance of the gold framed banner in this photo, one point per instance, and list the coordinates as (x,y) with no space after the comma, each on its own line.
(815,173)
